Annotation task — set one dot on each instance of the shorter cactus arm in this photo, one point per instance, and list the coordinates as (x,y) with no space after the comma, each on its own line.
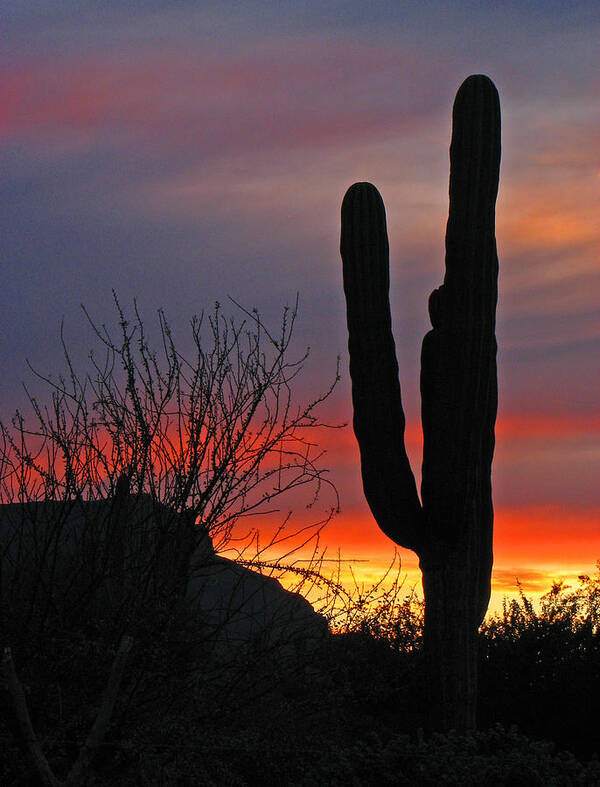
(379,422)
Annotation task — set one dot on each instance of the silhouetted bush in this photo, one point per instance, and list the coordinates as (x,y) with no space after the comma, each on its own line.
(541,670)
(352,713)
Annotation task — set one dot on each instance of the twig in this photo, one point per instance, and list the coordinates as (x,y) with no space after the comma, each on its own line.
(97,733)
(34,750)
(100,726)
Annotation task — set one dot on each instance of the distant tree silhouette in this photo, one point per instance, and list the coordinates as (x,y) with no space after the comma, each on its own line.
(451,530)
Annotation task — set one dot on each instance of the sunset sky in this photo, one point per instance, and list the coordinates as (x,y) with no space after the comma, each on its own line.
(183,152)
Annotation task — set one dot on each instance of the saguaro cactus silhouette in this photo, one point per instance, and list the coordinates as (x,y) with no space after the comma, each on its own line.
(451,527)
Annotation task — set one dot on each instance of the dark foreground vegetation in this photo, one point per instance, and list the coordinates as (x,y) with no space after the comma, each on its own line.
(111,676)
(351,712)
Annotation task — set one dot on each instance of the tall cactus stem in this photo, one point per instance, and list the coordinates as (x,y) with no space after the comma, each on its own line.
(451,530)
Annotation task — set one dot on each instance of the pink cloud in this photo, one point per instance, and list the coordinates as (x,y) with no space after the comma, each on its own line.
(536,426)
(285,98)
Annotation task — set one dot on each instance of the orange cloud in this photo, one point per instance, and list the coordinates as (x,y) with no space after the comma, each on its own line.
(536,545)
(539,535)
(547,534)
(507,580)
(547,226)
(551,212)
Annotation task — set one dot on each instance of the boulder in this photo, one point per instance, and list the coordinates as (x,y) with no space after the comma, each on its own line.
(238,608)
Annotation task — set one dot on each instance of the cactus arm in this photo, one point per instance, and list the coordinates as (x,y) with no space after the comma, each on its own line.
(379,422)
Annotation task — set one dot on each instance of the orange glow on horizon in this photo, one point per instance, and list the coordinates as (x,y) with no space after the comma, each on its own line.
(527,543)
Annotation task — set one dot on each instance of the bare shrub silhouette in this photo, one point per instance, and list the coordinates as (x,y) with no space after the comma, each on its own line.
(116,499)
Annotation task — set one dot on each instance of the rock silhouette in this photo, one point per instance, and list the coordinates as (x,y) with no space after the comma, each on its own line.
(234,604)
